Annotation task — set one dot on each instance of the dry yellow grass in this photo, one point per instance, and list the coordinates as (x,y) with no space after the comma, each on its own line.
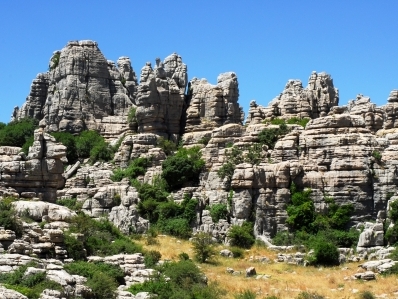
(286,281)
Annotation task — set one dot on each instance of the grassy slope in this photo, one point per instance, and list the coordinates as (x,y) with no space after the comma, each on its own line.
(286,281)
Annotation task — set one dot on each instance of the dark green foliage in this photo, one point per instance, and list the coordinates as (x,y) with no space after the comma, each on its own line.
(27,144)
(100,237)
(90,144)
(131,115)
(183,256)
(185,281)
(377,155)
(246,294)
(54,61)
(69,141)
(204,140)
(70,203)
(237,252)
(31,286)
(136,167)
(2,125)
(325,253)
(366,295)
(277,121)
(391,234)
(203,247)
(168,146)
(8,216)
(151,258)
(182,167)
(242,236)
(219,211)
(298,121)
(226,171)
(102,278)
(18,132)
(168,216)
(178,227)
(301,211)
(307,295)
(393,212)
(270,136)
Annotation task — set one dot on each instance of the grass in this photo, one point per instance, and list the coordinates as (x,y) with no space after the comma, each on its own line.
(286,281)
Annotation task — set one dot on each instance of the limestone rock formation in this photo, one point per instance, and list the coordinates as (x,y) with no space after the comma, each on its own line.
(82,90)
(314,101)
(373,116)
(37,175)
(211,106)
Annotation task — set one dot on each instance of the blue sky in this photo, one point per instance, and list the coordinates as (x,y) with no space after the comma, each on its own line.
(264,42)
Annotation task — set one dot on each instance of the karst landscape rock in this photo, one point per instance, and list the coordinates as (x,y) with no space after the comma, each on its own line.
(347,154)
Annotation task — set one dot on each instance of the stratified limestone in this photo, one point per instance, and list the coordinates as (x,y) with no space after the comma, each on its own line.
(33,107)
(211,106)
(372,115)
(314,101)
(38,175)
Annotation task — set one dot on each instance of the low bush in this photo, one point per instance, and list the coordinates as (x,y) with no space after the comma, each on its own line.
(242,236)
(219,211)
(16,133)
(136,167)
(168,146)
(178,227)
(182,167)
(366,295)
(298,121)
(246,294)
(325,253)
(8,216)
(237,252)
(70,203)
(103,279)
(99,237)
(203,247)
(69,141)
(308,295)
(184,280)
(151,258)
(31,286)
(269,136)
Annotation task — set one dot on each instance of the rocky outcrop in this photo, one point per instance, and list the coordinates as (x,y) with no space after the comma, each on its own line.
(37,175)
(314,101)
(373,116)
(211,106)
(160,97)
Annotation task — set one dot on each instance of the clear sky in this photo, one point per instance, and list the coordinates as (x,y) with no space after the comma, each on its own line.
(265,42)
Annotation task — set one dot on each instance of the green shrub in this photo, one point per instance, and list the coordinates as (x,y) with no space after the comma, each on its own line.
(69,141)
(203,247)
(183,167)
(18,132)
(31,286)
(226,171)
(178,227)
(326,253)
(393,212)
(307,295)
(183,256)
(168,146)
(27,145)
(54,61)
(185,280)
(204,140)
(242,236)
(269,136)
(298,121)
(70,203)
(377,155)
(86,142)
(100,237)
(136,167)
(246,294)
(237,252)
(219,211)
(278,121)
(366,295)
(131,116)
(103,279)
(301,211)
(8,216)
(101,151)
(151,258)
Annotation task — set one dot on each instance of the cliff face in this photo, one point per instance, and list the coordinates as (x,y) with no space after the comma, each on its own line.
(345,152)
